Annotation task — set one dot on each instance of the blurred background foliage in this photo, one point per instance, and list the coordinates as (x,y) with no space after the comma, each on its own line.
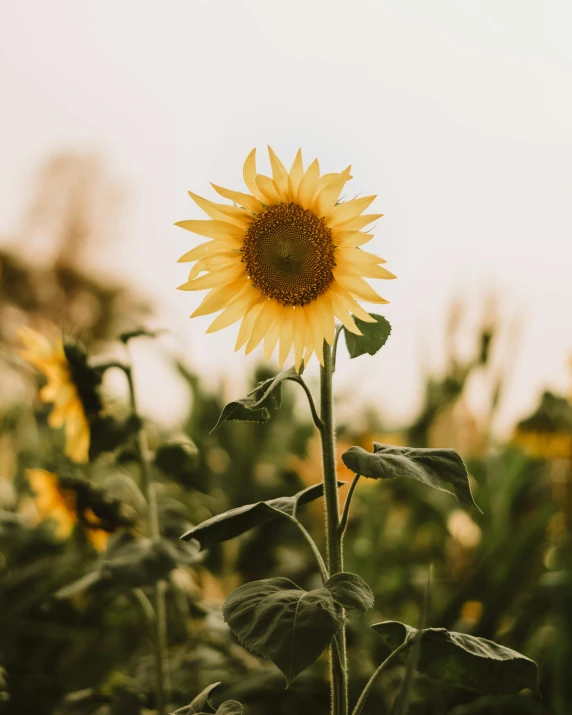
(504,575)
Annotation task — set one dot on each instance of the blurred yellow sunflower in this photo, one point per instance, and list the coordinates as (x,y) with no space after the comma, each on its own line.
(52,502)
(286,259)
(71,387)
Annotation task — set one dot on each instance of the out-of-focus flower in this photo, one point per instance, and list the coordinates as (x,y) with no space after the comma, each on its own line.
(547,433)
(72,386)
(52,502)
(285,259)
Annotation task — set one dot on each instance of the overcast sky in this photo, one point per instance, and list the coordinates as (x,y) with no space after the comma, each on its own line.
(457,113)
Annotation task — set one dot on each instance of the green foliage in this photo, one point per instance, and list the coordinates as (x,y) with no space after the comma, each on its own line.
(177,457)
(463,660)
(350,591)
(132,563)
(278,620)
(433,467)
(237,521)
(201,705)
(266,396)
(374,336)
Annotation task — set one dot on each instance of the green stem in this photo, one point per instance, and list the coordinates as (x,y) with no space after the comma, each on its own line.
(345,515)
(315,417)
(312,544)
(160,622)
(370,683)
(339,329)
(339,686)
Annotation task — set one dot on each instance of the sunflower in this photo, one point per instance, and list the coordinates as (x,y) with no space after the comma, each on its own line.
(58,504)
(52,502)
(72,387)
(286,259)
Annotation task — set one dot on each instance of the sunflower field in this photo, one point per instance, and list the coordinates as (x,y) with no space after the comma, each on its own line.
(256,556)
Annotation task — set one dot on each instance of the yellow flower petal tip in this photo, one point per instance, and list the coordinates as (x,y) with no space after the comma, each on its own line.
(284,259)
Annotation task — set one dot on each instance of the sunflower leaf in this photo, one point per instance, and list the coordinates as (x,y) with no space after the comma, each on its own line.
(200,704)
(237,521)
(466,661)
(256,406)
(373,339)
(279,621)
(230,707)
(350,591)
(437,468)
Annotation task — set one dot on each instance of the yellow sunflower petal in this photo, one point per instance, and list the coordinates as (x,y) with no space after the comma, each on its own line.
(360,222)
(267,189)
(234,311)
(295,176)
(261,326)
(359,288)
(326,318)
(299,334)
(355,255)
(358,262)
(308,185)
(249,174)
(350,239)
(211,280)
(342,314)
(247,201)
(279,175)
(273,333)
(348,210)
(308,334)
(218,298)
(327,197)
(210,248)
(286,334)
(247,325)
(212,229)
(316,328)
(351,304)
(233,214)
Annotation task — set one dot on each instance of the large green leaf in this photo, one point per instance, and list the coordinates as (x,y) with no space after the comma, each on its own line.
(472,663)
(374,336)
(279,621)
(441,469)
(266,396)
(350,591)
(234,522)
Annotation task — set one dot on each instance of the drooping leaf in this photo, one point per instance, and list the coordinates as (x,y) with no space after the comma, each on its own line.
(256,406)
(466,661)
(234,522)
(200,704)
(230,707)
(441,469)
(374,336)
(279,621)
(350,591)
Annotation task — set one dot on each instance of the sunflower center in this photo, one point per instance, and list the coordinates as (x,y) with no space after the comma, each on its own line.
(289,254)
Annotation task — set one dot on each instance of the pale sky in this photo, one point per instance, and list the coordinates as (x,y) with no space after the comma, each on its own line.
(457,113)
